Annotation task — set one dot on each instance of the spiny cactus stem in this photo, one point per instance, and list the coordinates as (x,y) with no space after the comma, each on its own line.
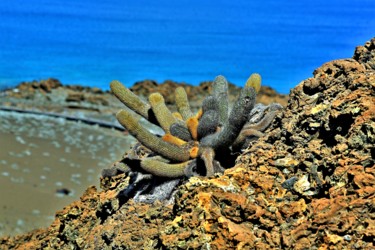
(130,100)
(220,92)
(254,81)
(182,103)
(180,131)
(149,140)
(237,119)
(210,103)
(208,155)
(163,169)
(161,111)
(208,124)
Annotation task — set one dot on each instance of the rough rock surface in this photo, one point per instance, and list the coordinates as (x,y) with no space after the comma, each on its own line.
(308,184)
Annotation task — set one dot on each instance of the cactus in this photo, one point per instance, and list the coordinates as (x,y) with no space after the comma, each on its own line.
(182,103)
(164,117)
(130,100)
(254,81)
(220,92)
(150,140)
(193,144)
(159,167)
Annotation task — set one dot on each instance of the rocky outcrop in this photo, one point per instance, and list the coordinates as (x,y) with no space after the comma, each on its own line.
(51,96)
(27,90)
(308,184)
(196,94)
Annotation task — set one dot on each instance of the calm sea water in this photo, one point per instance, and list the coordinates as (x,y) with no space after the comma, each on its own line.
(93,42)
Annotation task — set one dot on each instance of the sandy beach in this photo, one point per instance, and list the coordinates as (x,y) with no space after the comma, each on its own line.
(46,163)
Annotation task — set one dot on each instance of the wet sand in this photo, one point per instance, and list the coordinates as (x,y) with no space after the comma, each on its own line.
(46,163)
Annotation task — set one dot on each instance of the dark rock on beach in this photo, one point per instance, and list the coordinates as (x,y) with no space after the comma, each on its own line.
(309,183)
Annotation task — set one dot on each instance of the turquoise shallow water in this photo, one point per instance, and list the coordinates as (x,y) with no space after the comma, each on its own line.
(94,42)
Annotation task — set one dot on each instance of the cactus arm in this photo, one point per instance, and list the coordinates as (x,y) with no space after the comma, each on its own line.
(163,169)
(220,92)
(210,103)
(130,100)
(149,140)
(182,103)
(237,119)
(209,121)
(254,81)
(208,124)
(161,111)
(180,131)
(208,155)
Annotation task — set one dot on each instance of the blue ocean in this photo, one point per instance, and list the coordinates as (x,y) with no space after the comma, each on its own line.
(93,42)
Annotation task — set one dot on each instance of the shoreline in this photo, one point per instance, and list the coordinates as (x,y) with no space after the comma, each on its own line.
(46,163)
